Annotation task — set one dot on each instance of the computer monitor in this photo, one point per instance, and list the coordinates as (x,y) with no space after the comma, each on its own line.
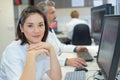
(97,18)
(109,47)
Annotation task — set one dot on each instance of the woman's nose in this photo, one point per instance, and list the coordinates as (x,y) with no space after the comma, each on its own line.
(36,29)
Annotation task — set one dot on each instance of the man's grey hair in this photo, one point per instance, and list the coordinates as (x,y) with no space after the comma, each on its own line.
(43,5)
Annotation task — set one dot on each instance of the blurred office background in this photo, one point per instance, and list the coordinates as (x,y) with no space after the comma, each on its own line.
(10,10)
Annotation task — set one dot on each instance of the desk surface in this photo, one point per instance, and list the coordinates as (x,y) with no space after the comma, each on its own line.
(63,35)
(91,66)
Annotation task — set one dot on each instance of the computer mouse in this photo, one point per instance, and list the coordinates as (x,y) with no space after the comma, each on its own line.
(81,69)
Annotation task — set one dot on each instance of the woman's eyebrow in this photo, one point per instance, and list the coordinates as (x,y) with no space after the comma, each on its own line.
(41,22)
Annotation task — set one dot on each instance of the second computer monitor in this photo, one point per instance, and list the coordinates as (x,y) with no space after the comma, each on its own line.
(109,48)
(97,19)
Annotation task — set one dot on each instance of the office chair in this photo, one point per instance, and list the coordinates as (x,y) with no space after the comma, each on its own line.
(81,35)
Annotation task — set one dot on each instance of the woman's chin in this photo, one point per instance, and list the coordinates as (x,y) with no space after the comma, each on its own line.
(35,42)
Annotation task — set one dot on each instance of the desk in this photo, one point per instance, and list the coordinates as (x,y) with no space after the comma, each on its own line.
(63,38)
(62,35)
(91,66)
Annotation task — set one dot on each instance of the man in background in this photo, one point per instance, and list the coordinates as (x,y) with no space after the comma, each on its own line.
(48,8)
(74,21)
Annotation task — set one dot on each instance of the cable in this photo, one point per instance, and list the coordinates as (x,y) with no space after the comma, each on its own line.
(98,72)
(118,76)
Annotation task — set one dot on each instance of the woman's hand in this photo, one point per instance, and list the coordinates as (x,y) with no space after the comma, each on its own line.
(42,47)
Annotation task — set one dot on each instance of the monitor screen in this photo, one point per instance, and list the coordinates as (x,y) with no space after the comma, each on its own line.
(109,48)
(97,18)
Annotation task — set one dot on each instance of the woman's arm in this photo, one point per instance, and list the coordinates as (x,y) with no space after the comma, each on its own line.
(29,69)
(55,70)
(29,72)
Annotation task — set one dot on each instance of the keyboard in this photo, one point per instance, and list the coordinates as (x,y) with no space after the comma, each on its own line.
(76,75)
(85,55)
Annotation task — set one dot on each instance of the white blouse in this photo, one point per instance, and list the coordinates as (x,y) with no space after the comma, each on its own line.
(14,58)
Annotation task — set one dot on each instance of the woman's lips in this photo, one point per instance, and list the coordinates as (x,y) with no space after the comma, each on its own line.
(36,36)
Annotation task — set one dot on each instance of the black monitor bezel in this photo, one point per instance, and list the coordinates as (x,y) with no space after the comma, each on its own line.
(116,56)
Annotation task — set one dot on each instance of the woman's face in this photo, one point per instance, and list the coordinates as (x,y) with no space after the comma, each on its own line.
(33,28)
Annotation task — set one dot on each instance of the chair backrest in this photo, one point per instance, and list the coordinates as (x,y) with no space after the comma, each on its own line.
(81,35)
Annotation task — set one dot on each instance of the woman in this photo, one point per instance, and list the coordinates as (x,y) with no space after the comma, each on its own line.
(30,57)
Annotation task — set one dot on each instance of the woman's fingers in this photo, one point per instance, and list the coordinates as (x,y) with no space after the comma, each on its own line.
(38,52)
(41,45)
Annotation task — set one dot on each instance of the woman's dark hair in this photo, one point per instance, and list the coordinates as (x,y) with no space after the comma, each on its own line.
(24,15)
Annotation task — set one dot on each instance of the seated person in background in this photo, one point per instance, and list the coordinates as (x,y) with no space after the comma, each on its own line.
(74,21)
(30,56)
(48,8)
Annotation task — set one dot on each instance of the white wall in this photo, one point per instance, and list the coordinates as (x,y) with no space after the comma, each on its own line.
(7,32)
